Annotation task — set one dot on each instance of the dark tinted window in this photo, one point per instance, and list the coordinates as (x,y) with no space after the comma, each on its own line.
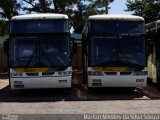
(40,51)
(39,26)
(117,51)
(116,26)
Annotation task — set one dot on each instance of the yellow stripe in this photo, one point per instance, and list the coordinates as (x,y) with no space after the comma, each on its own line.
(30,69)
(110,69)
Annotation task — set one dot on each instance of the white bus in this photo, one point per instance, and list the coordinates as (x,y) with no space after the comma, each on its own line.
(153,37)
(39,51)
(114,51)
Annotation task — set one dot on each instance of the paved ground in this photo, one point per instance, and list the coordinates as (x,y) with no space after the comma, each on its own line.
(77,93)
(79,100)
(83,107)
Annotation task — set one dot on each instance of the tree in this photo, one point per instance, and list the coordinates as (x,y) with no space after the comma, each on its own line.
(41,6)
(148,9)
(9,8)
(4,28)
(50,6)
(77,10)
(93,7)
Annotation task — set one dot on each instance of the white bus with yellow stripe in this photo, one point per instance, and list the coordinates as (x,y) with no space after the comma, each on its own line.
(114,51)
(39,51)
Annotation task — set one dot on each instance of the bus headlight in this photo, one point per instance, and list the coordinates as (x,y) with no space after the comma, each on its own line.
(95,73)
(140,73)
(64,73)
(16,74)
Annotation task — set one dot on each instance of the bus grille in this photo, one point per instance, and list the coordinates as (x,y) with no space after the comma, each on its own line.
(47,73)
(32,74)
(125,73)
(111,73)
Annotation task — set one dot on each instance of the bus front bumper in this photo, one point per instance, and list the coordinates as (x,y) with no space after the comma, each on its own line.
(117,81)
(40,82)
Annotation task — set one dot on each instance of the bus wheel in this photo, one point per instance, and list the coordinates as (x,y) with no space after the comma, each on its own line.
(158,80)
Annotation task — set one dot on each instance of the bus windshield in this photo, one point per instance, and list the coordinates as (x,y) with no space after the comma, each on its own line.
(124,50)
(116,26)
(39,26)
(40,51)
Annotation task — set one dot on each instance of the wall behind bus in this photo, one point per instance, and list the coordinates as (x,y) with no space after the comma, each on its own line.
(3,57)
(3,61)
(77,65)
(77,59)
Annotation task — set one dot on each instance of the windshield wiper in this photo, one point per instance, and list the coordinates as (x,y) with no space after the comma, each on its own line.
(31,57)
(47,58)
(128,60)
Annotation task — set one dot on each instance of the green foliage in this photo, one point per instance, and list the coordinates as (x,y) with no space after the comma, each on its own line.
(84,10)
(4,28)
(49,6)
(148,9)
(77,10)
(42,6)
(9,8)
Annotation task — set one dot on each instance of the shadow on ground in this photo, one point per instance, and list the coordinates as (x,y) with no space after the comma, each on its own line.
(76,93)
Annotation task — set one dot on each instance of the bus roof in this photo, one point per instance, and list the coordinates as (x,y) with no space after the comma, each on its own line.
(116,17)
(40,16)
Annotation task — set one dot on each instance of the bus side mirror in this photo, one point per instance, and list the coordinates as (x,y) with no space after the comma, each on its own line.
(6,46)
